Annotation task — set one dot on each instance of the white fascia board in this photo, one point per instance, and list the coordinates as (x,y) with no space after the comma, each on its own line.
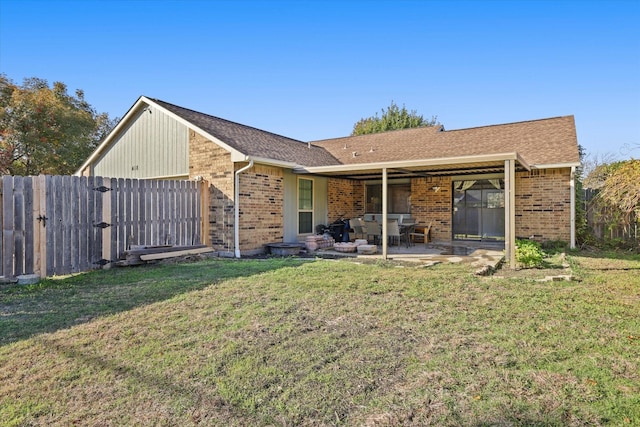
(410,163)
(272,162)
(523,162)
(242,158)
(556,165)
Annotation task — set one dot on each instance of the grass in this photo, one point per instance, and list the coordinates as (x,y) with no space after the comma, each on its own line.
(286,342)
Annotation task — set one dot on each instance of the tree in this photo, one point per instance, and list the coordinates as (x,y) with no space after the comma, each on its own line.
(44,129)
(616,203)
(622,187)
(392,118)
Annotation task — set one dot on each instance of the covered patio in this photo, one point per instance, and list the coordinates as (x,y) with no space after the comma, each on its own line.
(427,177)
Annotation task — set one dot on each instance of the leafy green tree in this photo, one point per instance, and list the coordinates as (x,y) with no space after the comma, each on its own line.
(46,130)
(392,118)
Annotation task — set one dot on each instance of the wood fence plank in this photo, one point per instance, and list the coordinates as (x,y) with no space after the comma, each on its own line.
(152,214)
(118,220)
(106,202)
(83,229)
(41,227)
(177,211)
(164,197)
(51,226)
(136,219)
(111,235)
(28,225)
(94,216)
(128,212)
(203,205)
(64,232)
(74,223)
(7,226)
(18,225)
(172,212)
(67,224)
(158,232)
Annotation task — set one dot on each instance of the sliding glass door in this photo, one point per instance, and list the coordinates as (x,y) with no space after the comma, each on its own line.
(478,209)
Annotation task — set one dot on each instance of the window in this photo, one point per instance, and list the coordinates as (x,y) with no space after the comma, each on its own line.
(305,206)
(398,199)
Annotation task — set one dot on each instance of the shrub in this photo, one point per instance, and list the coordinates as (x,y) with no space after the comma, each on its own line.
(529,253)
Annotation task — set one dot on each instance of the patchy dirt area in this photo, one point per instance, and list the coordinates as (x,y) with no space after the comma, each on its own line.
(554,268)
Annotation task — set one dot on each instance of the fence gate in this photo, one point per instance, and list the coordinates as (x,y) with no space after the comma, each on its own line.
(54,225)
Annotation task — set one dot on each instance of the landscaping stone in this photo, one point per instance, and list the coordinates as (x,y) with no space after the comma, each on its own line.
(28,279)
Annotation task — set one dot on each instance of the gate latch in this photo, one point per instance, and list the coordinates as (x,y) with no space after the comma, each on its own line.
(43,219)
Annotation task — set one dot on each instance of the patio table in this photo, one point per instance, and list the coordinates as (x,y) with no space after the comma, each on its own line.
(405,229)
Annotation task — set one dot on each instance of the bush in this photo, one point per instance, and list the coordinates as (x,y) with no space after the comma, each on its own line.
(529,253)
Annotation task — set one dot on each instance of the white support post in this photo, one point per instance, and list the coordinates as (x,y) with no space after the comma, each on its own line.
(572,188)
(509,212)
(384,213)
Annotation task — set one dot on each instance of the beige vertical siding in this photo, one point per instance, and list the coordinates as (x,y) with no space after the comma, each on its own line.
(154,145)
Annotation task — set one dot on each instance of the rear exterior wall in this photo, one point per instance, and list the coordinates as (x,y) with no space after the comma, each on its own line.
(261,208)
(213,163)
(542,203)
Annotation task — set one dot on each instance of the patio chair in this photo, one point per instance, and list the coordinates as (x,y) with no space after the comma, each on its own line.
(373,229)
(393,231)
(424,233)
(359,229)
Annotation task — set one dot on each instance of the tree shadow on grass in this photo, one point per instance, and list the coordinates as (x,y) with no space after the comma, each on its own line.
(58,303)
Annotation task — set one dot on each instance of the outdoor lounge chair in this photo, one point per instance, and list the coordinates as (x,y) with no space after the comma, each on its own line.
(424,234)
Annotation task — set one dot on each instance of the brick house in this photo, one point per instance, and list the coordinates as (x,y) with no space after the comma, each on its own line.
(492,183)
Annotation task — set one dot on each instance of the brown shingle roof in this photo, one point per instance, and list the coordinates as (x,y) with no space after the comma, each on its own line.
(539,142)
(254,142)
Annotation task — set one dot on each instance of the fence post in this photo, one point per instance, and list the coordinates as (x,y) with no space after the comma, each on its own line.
(107,217)
(39,226)
(204,211)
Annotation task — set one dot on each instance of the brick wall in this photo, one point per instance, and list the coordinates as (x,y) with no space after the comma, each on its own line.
(345,197)
(213,163)
(261,208)
(543,204)
(429,206)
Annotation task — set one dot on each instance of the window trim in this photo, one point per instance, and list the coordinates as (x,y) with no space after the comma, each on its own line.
(298,210)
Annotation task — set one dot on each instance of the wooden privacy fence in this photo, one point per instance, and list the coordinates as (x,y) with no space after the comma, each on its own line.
(53,225)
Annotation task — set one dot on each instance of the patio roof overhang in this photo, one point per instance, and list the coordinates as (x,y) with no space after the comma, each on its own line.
(464,165)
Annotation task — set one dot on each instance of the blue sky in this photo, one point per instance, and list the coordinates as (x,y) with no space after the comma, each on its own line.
(311,69)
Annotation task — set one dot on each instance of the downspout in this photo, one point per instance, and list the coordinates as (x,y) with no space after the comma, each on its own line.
(236,209)
(572,185)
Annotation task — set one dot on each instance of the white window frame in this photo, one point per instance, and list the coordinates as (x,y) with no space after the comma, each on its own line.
(298,210)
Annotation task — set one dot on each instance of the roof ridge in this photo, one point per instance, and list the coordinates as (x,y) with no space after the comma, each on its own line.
(511,123)
(437,128)
(226,120)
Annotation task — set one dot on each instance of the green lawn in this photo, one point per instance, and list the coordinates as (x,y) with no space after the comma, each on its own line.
(290,342)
